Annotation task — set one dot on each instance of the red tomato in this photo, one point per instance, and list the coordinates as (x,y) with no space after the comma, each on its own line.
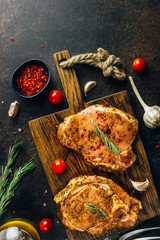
(59,166)
(55,96)
(46,225)
(139,64)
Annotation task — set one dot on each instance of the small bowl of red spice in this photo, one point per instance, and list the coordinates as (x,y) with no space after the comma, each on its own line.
(31,78)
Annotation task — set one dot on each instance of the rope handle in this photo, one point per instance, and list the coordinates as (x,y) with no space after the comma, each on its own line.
(110,65)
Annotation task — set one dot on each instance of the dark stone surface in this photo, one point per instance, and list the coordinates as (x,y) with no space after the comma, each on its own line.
(128,29)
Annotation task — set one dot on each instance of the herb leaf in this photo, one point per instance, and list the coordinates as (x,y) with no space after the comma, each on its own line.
(108,142)
(9,192)
(95,208)
(12,154)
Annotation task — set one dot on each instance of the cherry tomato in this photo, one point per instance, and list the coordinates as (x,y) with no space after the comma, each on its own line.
(46,225)
(59,166)
(55,97)
(139,64)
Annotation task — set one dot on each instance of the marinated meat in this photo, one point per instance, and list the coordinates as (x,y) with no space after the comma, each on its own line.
(78,132)
(73,201)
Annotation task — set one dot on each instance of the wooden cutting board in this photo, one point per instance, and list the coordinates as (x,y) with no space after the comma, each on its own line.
(49,148)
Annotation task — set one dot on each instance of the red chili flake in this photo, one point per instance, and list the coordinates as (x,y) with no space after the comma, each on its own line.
(108,104)
(41,45)
(118,140)
(109,160)
(11,38)
(98,146)
(82,135)
(97,111)
(68,142)
(14,212)
(32,79)
(119,118)
(102,118)
(157,146)
(156,85)
(84,129)
(14,133)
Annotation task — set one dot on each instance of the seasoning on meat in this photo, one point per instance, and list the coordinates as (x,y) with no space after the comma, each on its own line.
(78,132)
(119,209)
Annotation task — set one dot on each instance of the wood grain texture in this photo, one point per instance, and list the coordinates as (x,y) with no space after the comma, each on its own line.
(70,83)
(44,132)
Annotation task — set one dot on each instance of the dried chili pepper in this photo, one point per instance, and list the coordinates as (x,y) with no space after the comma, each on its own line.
(107,104)
(32,79)
(11,38)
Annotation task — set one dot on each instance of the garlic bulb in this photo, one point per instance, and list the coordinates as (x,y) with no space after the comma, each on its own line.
(140,186)
(151,116)
(89,85)
(13,110)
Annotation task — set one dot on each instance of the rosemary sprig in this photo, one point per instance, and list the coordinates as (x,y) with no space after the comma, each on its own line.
(108,142)
(9,193)
(95,208)
(12,154)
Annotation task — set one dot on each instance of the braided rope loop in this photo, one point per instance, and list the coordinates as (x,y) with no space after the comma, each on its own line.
(110,65)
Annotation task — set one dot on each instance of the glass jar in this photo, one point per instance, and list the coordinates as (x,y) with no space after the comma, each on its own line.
(18,229)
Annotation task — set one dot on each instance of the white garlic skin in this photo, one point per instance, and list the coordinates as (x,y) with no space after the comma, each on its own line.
(13,110)
(140,186)
(89,85)
(151,117)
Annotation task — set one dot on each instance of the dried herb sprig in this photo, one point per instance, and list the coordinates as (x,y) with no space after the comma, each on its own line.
(12,154)
(108,142)
(95,208)
(9,193)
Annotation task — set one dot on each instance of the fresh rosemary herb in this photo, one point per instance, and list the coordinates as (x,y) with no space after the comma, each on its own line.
(108,142)
(12,154)
(95,208)
(9,193)
(7,189)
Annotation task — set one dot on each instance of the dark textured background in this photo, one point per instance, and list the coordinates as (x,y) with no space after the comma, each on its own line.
(128,29)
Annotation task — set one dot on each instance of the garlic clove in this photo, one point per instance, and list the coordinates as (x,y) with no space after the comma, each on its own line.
(89,85)
(140,186)
(13,110)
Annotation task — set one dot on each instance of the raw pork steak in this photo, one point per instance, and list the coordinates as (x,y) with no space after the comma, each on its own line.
(120,209)
(78,132)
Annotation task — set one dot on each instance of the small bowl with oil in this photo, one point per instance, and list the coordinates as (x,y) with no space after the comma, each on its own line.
(31,78)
